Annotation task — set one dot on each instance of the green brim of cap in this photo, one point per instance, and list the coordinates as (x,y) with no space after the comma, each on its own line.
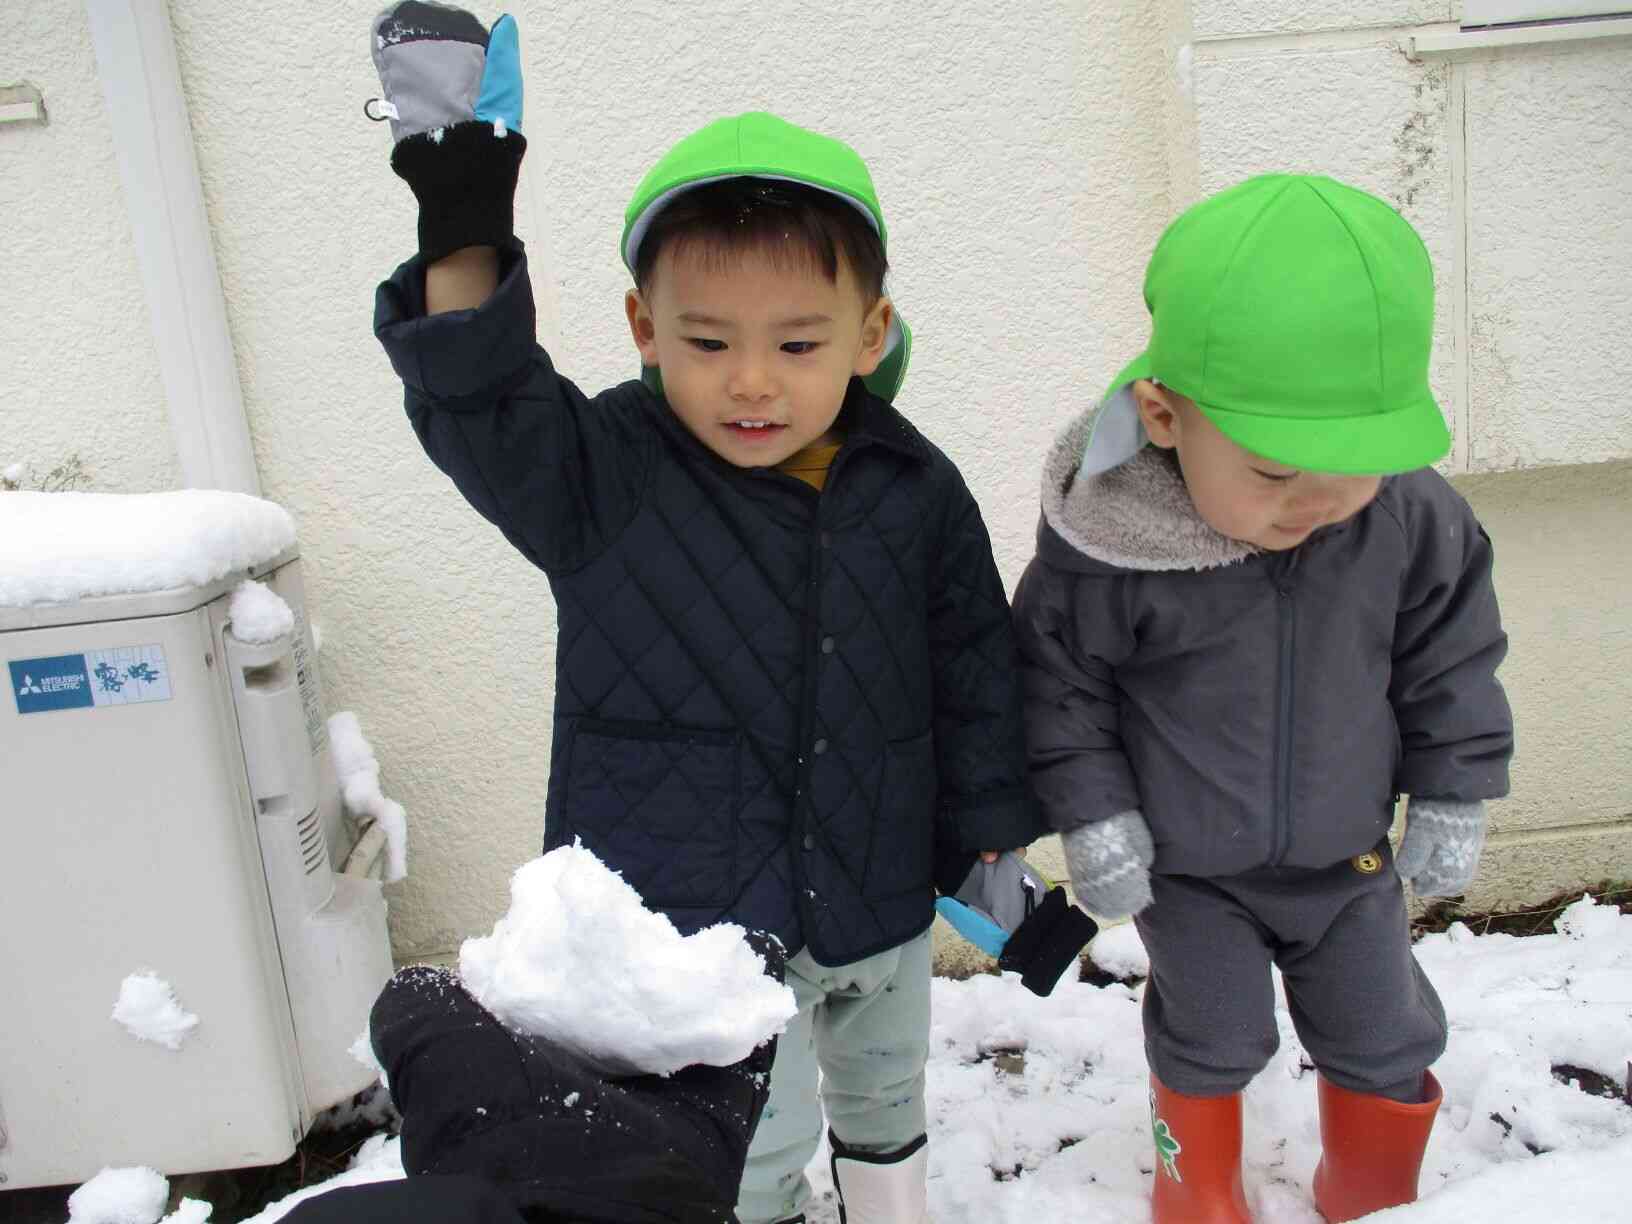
(1374,444)
(1411,436)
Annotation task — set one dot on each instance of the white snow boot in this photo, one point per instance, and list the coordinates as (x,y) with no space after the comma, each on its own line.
(882,1187)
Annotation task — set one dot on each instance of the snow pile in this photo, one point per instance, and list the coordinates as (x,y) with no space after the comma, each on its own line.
(149,1011)
(258,614)
(57,547)
(120,1196)
(579,959)
(359,773)
(131,1196)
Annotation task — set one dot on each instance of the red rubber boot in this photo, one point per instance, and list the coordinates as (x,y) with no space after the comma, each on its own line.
(1198,1158)
(1372,1149)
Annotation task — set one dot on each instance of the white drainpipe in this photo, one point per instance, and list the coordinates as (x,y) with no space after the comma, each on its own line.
(136,59)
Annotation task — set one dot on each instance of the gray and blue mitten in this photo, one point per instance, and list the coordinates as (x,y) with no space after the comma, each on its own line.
(1443,840)
(1109,862)
(453,96)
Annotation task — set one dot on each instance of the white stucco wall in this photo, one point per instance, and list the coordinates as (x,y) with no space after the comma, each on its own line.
(1564,576)
(1027,158)
(78,371)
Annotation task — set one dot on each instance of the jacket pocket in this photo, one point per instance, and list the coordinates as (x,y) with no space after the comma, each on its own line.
(658,805)
(903,833)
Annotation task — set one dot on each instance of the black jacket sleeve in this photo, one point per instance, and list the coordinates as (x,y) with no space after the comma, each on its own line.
(1456,731)
(1073,632)
(979,733)
(559,473)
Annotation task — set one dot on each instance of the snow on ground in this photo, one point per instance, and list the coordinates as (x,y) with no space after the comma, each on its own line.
(1038,1106)
(149,1011)
(359,774)
(58,547)
(258,613)
(580,959)
(379,1159)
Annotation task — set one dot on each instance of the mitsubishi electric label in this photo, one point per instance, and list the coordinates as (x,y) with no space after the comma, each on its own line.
(126,675)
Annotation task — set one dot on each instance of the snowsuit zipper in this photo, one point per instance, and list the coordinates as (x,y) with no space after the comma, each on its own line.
(1285,701)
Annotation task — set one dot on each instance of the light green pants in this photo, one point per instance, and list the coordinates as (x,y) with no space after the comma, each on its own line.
(865,1026)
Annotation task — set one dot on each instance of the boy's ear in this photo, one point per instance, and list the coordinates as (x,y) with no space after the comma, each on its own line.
(875,334)
(1158,412)
(641,327)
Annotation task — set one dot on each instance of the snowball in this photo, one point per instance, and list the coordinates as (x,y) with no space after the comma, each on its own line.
(258,614)
(149,1011)
(13,474)
(120,1196)
(580,960)
(58,547)
(1120,952)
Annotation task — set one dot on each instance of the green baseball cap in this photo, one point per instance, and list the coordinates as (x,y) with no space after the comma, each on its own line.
(759,145)
(1298,314)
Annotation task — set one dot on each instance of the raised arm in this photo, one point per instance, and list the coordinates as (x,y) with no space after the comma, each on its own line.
(561,474)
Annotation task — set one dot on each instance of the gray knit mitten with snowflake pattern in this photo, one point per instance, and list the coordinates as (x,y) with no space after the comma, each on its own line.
(1109,862)
(1443,839)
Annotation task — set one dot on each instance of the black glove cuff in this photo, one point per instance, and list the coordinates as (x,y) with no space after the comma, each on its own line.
(465,184)
(1047,942)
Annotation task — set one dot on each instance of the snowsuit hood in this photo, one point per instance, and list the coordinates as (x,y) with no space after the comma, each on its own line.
(1137,516)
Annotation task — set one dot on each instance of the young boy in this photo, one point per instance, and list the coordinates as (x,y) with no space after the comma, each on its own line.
(1255,618)
(786,674)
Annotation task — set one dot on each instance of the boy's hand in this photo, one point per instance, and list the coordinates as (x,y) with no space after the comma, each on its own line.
(991,856)
(1440,851)
(453,95)
(1109,862)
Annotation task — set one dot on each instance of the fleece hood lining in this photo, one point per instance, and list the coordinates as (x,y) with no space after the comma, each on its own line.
(1137,515)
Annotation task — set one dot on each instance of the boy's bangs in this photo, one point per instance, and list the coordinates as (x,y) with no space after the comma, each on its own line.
(788,252)
(799,230)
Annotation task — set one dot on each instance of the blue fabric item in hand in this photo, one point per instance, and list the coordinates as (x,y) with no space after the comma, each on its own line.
(976,927)
(500,97)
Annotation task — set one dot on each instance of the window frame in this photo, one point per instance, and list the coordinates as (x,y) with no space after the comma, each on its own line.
(1478,14)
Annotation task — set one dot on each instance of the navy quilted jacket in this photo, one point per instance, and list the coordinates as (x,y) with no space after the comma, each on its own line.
(772,706)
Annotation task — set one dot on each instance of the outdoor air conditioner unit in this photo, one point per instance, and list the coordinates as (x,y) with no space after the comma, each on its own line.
(168,803)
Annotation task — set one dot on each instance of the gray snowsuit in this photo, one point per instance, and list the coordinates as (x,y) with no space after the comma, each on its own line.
(1263,711)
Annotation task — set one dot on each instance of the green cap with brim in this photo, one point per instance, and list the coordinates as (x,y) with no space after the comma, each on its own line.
(1298,314)
(759,145)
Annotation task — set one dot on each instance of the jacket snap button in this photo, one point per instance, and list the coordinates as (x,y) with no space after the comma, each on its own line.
(819,747)
(809,842)
(827,645)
